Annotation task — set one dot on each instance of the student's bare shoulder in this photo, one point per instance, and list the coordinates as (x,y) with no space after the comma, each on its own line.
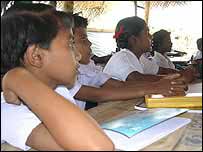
(17,75)
(18,72)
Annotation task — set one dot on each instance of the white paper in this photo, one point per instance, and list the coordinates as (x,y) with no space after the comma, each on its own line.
(147,136)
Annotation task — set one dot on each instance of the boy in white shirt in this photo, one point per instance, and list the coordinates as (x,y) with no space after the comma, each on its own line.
(23,120)
(35,61)
(98,86)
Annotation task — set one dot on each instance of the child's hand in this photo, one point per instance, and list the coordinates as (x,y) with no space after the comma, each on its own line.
(189,74)
(172,85)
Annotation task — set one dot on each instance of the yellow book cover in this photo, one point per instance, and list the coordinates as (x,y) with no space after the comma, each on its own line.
(192,100)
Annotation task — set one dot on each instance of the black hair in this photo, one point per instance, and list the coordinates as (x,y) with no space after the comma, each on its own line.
(37,8)
(18,31)
(66,18)
(199,43)
(127,27)
(41,8)
(80,21)
(158,39)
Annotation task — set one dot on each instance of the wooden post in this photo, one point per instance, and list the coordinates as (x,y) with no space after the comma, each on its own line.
(147,11)
(68,6)
(135,5)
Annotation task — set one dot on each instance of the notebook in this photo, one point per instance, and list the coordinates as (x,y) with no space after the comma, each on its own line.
(146,137)
(134,123)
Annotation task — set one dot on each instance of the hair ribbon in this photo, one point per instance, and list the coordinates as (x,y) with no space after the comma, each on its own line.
(117,34)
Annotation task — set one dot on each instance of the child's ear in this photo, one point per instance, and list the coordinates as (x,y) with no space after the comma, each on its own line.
(34,56)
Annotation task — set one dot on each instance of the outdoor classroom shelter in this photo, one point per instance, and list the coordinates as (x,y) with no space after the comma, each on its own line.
(187,137)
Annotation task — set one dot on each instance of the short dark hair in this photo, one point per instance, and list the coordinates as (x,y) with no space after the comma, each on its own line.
(66,18)
(18,31)
(127,27)
(158,38)
(199,42)
(37,8)
(80,21)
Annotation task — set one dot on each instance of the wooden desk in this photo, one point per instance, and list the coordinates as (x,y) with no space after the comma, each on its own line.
(188,138)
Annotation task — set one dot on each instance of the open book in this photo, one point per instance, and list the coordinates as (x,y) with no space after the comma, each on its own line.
(193,99)
(138,130)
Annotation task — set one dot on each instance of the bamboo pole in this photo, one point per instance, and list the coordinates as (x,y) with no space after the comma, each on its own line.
(147,11)
(68,6)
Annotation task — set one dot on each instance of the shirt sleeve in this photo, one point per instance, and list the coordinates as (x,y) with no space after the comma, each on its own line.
(121,65)
(99,79)
(75,88)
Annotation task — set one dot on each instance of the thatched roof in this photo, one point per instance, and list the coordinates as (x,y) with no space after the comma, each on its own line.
(89,9)
(92,9)
(165,4)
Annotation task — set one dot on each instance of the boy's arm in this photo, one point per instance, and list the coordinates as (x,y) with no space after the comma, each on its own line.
(138,77)
(60,117)
(188,74)
(167,71)
(168,86)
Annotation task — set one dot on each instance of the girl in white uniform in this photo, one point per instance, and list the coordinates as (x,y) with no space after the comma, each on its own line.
(131,62)
(161,45)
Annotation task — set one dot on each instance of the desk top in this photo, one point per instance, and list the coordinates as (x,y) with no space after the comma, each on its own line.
(187,138)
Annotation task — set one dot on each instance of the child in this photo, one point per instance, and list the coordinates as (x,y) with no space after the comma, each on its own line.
(198,55)
(197,60)
(132,36)
(160,46)
(99,87)
(37,52)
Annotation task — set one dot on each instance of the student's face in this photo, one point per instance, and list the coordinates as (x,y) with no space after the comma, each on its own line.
(144,40)
(82,44)
(167,44)
(62,59)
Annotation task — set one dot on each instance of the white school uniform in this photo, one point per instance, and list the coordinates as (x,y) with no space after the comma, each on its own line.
(17,121)
(148,64)
(89,75)
(163,60)
(124,62)
(198,55)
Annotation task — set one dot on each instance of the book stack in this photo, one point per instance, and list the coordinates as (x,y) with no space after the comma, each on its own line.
(192,100)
